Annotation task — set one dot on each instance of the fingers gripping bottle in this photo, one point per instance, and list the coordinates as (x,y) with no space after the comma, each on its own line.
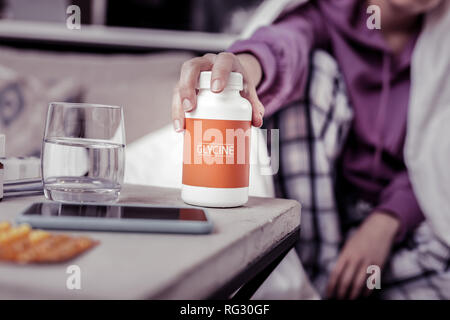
(216,159)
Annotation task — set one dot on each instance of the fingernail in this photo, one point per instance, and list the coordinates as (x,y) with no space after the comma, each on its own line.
(216,85)
(187,105)
(177,125)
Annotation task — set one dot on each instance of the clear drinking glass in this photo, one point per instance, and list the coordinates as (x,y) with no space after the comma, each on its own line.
(83,152)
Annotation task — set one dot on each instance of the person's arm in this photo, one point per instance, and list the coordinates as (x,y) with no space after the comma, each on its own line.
(252,67)
(398,199)
(283,51)
(221,65)
(275,59)
(369,245)
(397,213)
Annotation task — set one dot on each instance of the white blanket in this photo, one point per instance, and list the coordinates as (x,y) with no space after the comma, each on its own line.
(427,149)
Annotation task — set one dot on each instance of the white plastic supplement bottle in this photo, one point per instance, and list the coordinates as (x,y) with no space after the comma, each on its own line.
(216,160)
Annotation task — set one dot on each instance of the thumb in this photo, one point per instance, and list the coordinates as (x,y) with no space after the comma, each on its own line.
(257,106)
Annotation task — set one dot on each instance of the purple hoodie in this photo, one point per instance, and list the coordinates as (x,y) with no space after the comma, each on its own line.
(378,83)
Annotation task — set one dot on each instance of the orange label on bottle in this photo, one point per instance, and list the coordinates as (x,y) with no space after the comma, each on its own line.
(216,153)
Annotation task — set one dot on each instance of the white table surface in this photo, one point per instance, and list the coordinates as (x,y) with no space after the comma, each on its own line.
(155,266)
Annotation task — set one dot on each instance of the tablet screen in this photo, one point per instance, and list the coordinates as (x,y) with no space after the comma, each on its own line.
(115,212)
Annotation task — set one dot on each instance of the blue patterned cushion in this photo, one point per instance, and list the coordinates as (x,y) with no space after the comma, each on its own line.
(23,108)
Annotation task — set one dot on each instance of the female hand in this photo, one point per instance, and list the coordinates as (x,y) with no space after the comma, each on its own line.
(370,245)
(185,97)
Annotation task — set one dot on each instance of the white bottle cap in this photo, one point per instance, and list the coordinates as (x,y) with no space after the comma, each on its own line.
(2,145)
(235,81)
